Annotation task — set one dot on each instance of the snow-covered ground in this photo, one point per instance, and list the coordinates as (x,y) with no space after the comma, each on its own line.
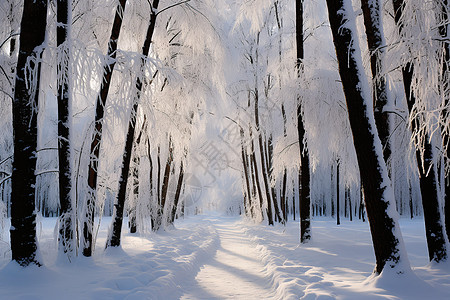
(221,257)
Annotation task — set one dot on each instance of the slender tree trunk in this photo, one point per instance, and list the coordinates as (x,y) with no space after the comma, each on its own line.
(263,161)
(269,160)
(305,197)
(132,222)
(88,222)
(434,225)
(66,221)
(177,194)
(25,105)
(152,215)
(338,211)
(132,225)
(378,194)
(246,175)
(372,21)
(255,177)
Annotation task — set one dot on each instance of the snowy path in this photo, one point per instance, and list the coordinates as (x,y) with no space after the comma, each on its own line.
(234,272)
(222,257)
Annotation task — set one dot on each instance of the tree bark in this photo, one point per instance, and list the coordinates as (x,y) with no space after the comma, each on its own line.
(338,210)
(372,21)
(443,31)
(434,225)
(66,219)
(305,195)
(385,230)
(246,175)
(88,222)
(25,105)
(177,194)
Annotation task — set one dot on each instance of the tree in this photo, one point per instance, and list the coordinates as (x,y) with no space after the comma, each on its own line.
(372,23)
(66,222)
(378,195)
(304,197)
(445,115)
(25,104)
(88,222)
(434,225)
(114,238)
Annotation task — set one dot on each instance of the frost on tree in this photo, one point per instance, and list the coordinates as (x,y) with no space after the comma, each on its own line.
(378,195)
(88,222)
(25,104)
(67,216)
(425,157)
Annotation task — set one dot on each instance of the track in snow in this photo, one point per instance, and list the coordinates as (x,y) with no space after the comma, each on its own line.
(235,271)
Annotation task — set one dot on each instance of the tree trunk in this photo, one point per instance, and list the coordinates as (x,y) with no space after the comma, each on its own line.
(263,161)
(88,222)
(25,105)
(246,175)
(372,21)
(443,31)
(177,194)
(66,220)
(338,211)
(255,177)
(378,194)
(434,225)
(305,197)
(269,158)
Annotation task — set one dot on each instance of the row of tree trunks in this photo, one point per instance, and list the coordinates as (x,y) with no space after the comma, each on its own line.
(115,235)
(434,225)
(25,104)
(386,236)
(88,223)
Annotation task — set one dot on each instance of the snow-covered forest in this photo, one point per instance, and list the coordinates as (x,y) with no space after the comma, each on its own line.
(151,139)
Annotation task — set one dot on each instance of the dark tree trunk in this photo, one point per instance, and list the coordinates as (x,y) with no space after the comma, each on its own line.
(152,215)
(255,177)
(166,178)
(371,12)
(338,210)
(269,160)
(263,161)
(132,225)
(443,31)
(25,104)
(88,222)
(283,198)
(66,221)
(434,225)
(245,164)
(126,158)
(305,200)
(385,231)
(177,194)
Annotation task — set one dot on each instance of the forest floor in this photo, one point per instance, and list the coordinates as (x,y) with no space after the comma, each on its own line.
(222,257)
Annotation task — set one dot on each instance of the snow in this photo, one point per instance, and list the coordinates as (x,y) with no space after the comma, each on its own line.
(222,257)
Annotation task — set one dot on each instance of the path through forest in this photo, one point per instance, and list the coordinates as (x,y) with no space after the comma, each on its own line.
(226,257)
(236,271)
